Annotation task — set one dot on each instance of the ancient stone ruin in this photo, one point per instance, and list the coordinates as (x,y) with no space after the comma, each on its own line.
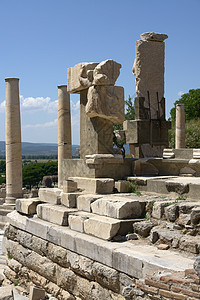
(147,135)
(115,228)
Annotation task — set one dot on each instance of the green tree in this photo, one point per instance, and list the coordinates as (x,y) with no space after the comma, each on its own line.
(3,166)
(191,100)
(130,109)
(33,173)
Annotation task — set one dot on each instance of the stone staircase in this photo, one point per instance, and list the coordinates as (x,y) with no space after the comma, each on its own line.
(156,219)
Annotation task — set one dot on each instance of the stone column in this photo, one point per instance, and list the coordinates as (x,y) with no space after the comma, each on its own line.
(180,126)
(64,129)
(13,142)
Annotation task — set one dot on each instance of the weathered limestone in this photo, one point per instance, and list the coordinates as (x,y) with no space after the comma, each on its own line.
(180,126)
(104,228)
(101,104)
(54,213)
(13,142)
(147,135)
(84,201)
(96,134)
(106,102)
(106,73)
(149,71)
(27,206)
(80,77)
(117,208)
(36,293)
(64,129)
(69,199)
(95,185)
(50,195)
(69,186)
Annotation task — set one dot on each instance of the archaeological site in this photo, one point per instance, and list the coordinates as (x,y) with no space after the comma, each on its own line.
(115,227)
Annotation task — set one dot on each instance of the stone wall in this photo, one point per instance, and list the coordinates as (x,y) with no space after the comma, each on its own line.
(60,271)
(68,275)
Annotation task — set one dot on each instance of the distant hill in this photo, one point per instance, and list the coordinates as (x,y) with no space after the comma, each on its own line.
(38,149)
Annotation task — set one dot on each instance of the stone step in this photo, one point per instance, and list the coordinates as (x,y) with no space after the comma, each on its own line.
(118,207)
(10,207)
(94,185)
(50,195)
(56,214)
(2,224)
(27,206)
(4,212)
(100,226)
(134,258)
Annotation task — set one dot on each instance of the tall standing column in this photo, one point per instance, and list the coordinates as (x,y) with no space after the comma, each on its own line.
(13,142)
(64,129)
(180,126)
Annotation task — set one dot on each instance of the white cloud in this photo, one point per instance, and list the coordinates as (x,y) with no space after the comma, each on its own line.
(2,106)
(42,125)
(32,104)
(180,93)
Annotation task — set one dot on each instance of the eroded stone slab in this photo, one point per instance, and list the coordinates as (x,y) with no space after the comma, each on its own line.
(50,195)
(76,221)
(54,213)
(69,199)
(95,185)
(104,228)
(153,36)
(106,102)
(84,202)
(27,206)
(117,208)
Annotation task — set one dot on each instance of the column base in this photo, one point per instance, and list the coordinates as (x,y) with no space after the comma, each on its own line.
(10,200)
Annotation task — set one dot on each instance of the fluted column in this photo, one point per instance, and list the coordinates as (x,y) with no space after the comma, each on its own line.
(180,126)
(13,142)
(64,129)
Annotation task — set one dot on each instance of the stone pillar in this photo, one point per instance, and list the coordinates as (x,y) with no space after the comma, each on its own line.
(64,129)
(180,126)
(13,142)
(96,134)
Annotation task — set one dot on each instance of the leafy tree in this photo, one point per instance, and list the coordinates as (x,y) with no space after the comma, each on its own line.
(130,109)
(3,166)
(33,173)
(191,100)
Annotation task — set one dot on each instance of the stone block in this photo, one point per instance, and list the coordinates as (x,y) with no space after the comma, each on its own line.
(84,202)
(6,292)
(106,102)
(76,221)
(80,77)
(195,215)
(98,159)
(69,199)
(36,293)
(50,195)
(122,186)
(69,186)
(106,72)
(159,208)
(168,153)
(102,227)
(95,185)
(177,187)
(153,36)
(27,206)
(196,153)
(117,208)
(54,214)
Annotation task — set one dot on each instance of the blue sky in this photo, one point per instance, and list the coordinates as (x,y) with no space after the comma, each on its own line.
(40,39)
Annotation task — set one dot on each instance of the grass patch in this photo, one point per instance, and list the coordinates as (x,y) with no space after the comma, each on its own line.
(9,256)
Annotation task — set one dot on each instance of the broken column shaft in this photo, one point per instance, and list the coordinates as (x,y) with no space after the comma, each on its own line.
(64,129)
(13,142)
(180,126)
